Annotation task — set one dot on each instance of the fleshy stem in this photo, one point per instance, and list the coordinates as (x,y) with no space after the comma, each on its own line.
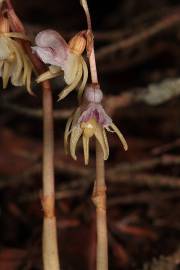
(99,193)
(50,247)
(49,238)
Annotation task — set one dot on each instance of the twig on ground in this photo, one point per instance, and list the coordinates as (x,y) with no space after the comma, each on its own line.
(166,22)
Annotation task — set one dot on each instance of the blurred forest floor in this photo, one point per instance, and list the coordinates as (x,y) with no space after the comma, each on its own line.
(138,55)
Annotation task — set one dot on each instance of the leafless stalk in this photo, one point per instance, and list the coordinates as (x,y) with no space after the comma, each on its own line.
(99,192)
(49,240)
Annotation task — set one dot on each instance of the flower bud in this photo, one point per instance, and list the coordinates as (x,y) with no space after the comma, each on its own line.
(14,21)
(77,44)
(4,25)
(93,94)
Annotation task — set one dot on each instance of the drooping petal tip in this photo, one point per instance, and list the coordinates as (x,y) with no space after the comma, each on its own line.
(120,135)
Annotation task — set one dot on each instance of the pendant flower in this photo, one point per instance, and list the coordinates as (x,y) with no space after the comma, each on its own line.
(63,59)
(14,63)
(90,119)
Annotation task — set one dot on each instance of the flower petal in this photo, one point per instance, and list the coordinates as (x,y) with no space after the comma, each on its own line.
(48,75)
(98,132)
(1,67)
(75,136)
(76,115)
(16,76)
(72,86)
(50,40)
(6,74)
(45,54)
(106,141)
(96,111)
(16,35)
(84,80)
(120,135)
(67,133)
(76,132)
(86,149)
(5,50)
(28,79)
(71,68)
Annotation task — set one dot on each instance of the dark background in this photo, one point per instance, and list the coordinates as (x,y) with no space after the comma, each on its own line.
(139,77)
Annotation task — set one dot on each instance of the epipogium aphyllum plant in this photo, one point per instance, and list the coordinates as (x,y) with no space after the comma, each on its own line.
(16,64)
(89,119)
(100,118)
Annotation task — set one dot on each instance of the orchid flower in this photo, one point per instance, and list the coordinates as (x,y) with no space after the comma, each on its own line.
(90,119)
(63,59)
(14,63)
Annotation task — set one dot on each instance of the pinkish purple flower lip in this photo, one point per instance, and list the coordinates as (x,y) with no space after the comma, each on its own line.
(51,48)
(95,111)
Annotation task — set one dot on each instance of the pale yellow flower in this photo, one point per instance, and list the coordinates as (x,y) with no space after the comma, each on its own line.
(88,121)
(64,59)
(14,63)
